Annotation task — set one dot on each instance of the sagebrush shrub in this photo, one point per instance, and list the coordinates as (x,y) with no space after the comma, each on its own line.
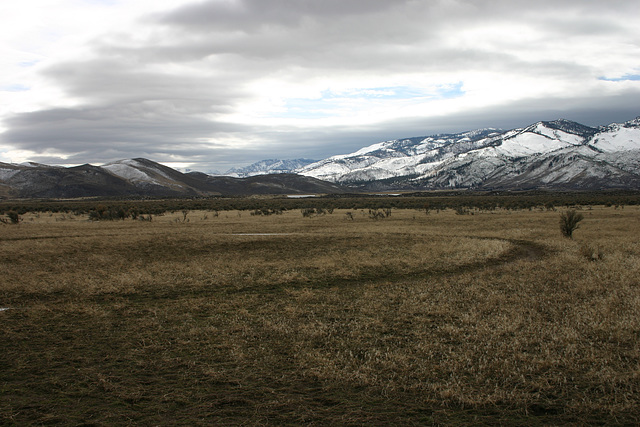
(12,217)
(569,222)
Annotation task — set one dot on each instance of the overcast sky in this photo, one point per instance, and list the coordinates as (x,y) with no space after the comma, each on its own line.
(213,84)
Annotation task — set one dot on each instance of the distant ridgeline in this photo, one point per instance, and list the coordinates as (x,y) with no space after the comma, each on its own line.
(555,155)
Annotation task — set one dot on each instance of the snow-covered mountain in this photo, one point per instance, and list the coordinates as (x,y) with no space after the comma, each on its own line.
(269,166)
(558,154)
(407,157)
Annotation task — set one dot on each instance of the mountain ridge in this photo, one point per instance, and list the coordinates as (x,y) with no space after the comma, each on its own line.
(587,158)
(146,178)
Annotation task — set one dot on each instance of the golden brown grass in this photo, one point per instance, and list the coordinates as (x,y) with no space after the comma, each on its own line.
(238,319)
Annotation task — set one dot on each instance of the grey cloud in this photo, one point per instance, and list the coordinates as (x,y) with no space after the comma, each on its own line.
(99,134)
(296,30)
(253,16)
(270,35)
(110,80)
(275,54)
(249,15)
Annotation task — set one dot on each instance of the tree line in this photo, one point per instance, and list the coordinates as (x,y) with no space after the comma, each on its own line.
(462,202)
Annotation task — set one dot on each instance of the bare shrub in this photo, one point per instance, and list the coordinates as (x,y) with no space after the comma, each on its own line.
(103,213)
(310,212)
(569,222)
(379,213)
(463,210)
(266,212)
(12,218)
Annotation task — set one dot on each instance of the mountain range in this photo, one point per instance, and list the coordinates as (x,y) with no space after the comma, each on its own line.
(143,177)
(559,154)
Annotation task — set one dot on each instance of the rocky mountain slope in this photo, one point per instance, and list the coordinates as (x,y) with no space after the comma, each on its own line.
(558,154)
(143,177)
(269,166)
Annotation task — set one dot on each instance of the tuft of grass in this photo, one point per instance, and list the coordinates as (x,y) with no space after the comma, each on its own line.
(591,253)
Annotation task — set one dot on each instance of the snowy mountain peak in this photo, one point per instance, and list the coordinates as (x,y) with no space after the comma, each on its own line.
(550,128)
(571,127)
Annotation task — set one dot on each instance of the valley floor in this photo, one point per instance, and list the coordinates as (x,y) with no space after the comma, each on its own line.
(200,318)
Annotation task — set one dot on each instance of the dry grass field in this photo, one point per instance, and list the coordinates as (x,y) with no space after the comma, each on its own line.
(414,319)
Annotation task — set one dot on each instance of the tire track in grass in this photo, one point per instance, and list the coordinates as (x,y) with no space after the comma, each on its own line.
(526,250)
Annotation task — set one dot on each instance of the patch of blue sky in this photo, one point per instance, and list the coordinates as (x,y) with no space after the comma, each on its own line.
(451,91)
(15,88)
(105,2)
(27,64)
(625,78)
(332,101)
(300,108)
(398,92)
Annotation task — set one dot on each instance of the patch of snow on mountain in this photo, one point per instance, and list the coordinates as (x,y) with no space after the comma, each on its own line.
(269,166)
(529,143)
(128,169)
(365,150)
(558,134)
(7,173)
(400,164)
(427,169)
(326,171)
(628,161)
(367,174)
(562,175)
(617,139)
(427,145)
